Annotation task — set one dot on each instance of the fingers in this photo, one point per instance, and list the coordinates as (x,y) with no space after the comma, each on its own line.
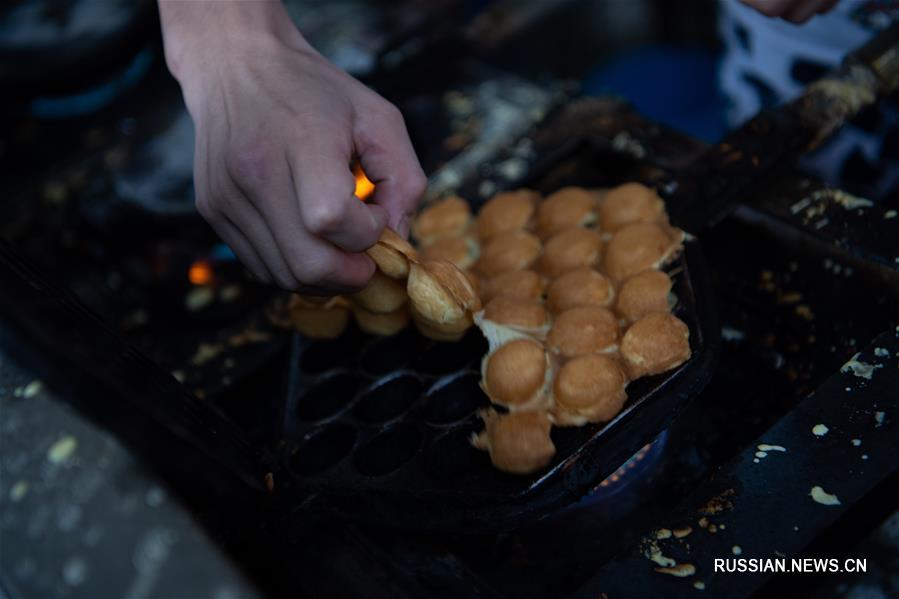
(209,202)
(334,270)
(254,207)
(389,160)
(826,6)
(794,11)
(324,190)
(243,249)
(803,11)
(315,264)
(770,8)
(242,227)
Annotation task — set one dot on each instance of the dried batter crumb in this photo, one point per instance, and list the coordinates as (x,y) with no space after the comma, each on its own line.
(62,450)
(719,503)
(881,353)
(823,497)
(18,490)
(653,553)
(32,389)
(819,430)
(803,311)
(878,418)
(736,550)
(732,334)
(680,533)
(766,447)
(206,352)
(846,200)
(680,570)
(859,368)
(699,585)
(663,533)
(856,442)
(199,298)
(791,297)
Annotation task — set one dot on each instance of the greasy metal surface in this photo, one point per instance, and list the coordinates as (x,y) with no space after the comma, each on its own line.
(760,505)
(128,393)
(856,225)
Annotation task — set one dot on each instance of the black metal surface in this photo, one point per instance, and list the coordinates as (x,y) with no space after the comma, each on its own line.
(867,230)
(763,505)
(116,385)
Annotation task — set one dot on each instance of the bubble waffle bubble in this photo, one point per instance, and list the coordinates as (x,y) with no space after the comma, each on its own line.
(506,211)
(447,218)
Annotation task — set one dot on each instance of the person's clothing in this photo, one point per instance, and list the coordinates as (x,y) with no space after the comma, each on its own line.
(768,61)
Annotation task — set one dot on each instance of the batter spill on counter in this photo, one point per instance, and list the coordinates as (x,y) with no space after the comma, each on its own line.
(567,290)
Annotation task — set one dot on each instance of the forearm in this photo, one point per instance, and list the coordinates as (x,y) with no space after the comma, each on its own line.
(198,33)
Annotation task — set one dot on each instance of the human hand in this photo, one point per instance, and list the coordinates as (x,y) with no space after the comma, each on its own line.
(795,11)
(277,127)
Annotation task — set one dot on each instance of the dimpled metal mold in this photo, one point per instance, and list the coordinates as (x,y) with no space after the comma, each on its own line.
(323,449)
(329,395)
(385,430)
(393,393)
(389,398)
(454,398)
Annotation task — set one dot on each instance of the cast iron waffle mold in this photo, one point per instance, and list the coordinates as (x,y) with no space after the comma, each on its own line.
(378,428)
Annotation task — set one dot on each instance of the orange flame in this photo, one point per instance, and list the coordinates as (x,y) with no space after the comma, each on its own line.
(200,273)
(364,186)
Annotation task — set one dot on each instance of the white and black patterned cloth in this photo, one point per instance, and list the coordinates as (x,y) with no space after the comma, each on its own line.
(768,61)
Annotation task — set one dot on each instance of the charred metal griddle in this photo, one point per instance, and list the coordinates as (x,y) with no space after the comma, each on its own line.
(391,445)
(188,440)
